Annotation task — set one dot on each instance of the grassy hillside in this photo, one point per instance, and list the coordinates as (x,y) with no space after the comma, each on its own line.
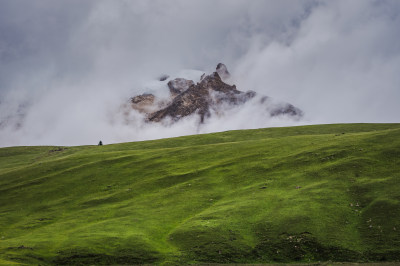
(299,194)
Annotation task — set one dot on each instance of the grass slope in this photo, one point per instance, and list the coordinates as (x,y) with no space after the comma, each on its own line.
(298,194)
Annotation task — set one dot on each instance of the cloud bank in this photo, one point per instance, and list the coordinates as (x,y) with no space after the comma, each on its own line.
(66,67)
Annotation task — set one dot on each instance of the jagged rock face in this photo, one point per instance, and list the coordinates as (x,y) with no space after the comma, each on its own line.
(223,92)
(200,98)
(204,97)
(145,98)
(214,82)
(194,99)
(286,109)
(222,71)
(143,103)
(179,85)
(282,109)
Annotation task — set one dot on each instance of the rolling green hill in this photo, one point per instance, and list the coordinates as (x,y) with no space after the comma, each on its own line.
(297,194)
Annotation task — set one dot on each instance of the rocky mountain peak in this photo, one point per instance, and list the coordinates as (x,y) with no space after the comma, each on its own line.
(207,97)
(222,71)
(179,85)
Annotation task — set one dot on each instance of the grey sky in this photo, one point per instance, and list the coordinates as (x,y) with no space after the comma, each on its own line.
(65,66)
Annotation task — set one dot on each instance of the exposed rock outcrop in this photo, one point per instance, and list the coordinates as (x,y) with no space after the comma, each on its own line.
(179,85)
(194,99)
(222,71)
(143,103)
(208,95)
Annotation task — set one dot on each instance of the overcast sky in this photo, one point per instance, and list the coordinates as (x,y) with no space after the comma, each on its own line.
(66,66)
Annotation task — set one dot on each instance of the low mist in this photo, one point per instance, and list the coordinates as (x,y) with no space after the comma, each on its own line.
(68,68)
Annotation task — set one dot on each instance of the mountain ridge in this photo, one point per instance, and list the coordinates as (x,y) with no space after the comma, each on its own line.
(210,96)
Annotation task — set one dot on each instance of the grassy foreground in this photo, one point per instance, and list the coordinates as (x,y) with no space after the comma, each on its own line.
(298,194)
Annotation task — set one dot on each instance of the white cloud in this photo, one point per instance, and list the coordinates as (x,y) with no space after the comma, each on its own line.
(341,67)
(70,65)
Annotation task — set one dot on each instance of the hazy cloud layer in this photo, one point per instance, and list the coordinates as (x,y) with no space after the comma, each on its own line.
(67,66)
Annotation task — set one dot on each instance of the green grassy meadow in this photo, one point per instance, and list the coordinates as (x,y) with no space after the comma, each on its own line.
(276,195)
